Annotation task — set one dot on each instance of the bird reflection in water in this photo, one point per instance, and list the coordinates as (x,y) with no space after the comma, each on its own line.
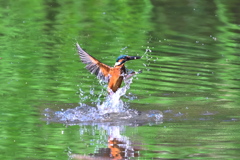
(119,147)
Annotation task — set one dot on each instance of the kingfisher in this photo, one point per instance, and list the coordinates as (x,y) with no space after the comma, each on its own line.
(112,75)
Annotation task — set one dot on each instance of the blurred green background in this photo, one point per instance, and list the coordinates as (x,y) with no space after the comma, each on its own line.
(190,69)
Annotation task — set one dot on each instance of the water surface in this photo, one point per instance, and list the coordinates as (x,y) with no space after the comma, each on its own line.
(190,73)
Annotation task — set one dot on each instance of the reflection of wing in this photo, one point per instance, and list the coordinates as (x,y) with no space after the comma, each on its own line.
(93,65)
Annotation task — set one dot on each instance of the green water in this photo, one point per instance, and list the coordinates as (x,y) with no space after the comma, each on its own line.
(190,72)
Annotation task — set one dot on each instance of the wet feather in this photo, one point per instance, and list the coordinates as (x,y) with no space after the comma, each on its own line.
(93,65)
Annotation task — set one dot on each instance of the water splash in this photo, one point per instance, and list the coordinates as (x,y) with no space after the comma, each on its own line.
(112,110)
(113,103)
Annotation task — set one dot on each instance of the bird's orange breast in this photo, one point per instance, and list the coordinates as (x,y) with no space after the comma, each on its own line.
(116,78)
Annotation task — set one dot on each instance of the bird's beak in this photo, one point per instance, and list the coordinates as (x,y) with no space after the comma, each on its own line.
(132,57)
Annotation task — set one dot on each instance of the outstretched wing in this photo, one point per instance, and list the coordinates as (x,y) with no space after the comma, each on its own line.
(93,65)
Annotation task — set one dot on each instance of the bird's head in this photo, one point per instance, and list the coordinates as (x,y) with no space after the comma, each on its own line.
(124,58)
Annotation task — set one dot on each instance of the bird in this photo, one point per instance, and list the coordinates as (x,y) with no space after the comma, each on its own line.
(112,75)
